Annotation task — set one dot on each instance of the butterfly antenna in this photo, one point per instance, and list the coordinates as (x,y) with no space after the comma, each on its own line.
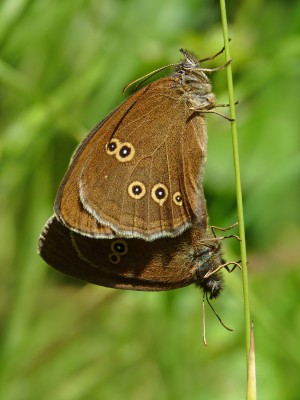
(209,303)
(143,78)
(203,322)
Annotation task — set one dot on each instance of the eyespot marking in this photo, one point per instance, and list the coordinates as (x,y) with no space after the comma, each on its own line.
(125,152)
(112,146)
(177,198)
(159,193)
(136,190)
(114,258)
(119,247)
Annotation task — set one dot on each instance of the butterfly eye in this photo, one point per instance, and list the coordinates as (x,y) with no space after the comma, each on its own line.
(125,152)
(114,258)
(159,193)
(112,146)
(119,247)
(136,190)
(177,198)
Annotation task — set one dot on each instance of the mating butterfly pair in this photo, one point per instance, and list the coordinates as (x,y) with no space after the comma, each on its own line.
(130,212)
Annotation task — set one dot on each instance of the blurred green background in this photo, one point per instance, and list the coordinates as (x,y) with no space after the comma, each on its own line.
(62,68)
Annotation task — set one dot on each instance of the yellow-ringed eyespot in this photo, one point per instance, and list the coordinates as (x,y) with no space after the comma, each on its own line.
(177,198)
(112,146)
(125,152)
(159,193)
(136,190)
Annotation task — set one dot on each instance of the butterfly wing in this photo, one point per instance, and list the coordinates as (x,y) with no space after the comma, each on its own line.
(134,264)
(138,172)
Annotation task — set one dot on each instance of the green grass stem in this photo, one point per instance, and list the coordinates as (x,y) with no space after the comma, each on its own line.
(238,183)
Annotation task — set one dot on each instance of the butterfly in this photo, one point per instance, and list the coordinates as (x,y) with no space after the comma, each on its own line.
(130,212)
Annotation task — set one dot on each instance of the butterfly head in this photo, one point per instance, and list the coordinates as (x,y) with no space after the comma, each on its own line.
(193,82)
(191,61)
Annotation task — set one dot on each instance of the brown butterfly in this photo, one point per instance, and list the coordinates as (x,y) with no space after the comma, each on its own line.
(138,172)
(130,212)
(129,263)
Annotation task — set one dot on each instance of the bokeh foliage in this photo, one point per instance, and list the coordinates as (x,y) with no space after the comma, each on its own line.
(62,68)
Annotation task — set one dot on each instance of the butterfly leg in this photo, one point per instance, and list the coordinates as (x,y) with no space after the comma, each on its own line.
(215,55)
(217,113)
(235,264)
(215,69)
(212,112)
(217,228)
(226,104)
